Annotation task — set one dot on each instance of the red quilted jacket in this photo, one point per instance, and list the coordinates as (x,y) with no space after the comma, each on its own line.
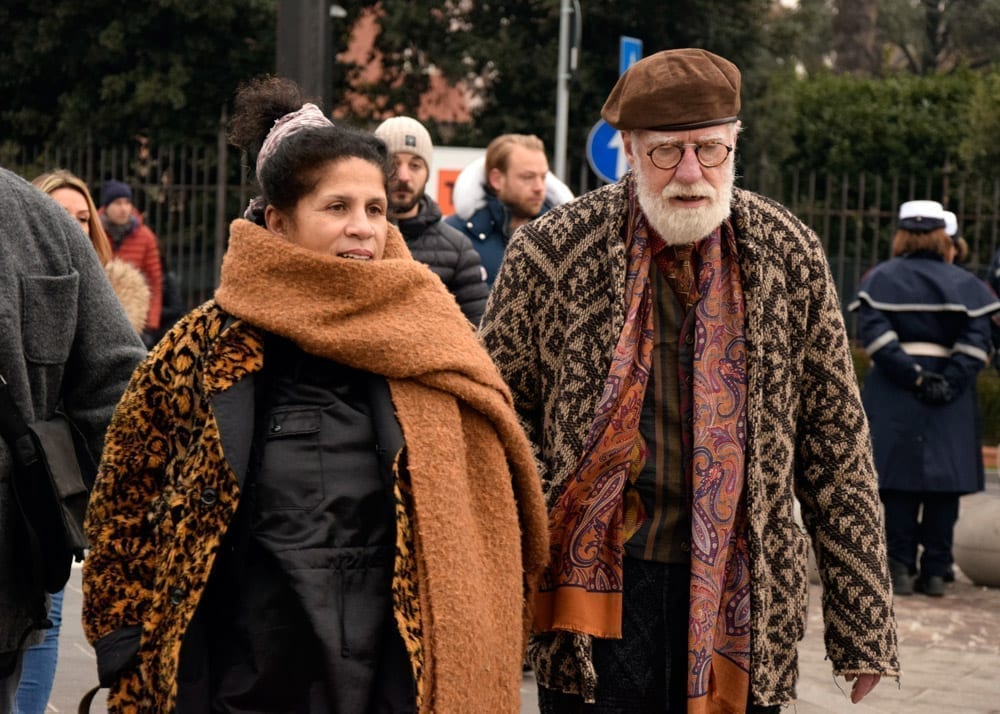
(141,249)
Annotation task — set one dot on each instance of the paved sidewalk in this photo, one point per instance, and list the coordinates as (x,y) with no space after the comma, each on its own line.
(949,653)
(949,650)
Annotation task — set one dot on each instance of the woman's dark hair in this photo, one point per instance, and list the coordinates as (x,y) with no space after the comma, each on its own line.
(292,171)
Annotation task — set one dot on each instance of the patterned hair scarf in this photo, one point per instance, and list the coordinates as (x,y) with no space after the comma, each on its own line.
(582,589)
(308,115)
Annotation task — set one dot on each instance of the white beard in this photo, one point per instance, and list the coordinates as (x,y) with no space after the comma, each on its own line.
(682,226)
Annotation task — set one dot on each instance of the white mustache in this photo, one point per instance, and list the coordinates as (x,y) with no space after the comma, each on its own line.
(701,189)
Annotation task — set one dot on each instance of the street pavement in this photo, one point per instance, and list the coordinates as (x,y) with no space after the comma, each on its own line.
(949,652)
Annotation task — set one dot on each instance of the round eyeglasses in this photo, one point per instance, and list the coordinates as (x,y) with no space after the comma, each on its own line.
(709,154)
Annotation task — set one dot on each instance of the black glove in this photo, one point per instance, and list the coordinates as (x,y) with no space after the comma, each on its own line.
(934,389)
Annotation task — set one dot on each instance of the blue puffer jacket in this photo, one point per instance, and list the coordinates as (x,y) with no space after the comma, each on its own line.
(481,216)
(489,230)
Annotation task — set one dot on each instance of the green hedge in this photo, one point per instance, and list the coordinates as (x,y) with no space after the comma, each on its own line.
(987,387)
(899,124)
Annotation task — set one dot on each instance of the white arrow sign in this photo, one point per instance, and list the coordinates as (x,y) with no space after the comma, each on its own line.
(621,164)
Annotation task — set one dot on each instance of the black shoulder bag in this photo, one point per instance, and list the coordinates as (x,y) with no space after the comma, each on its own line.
(50,495)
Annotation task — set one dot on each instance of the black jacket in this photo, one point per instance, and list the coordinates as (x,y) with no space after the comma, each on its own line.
(298,614)
(450,254)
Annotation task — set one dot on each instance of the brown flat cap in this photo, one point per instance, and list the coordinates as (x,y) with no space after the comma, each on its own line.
(675,90)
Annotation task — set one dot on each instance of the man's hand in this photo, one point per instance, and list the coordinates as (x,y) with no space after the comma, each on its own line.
(863,683)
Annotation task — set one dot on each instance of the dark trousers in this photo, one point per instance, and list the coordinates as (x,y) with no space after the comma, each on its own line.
(917,518)
(646,670)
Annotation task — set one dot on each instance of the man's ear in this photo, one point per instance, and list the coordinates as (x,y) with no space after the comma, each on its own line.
(495,177)
(275,221)
(627,144)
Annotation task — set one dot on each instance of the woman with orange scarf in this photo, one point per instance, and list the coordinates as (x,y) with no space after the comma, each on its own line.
(315,494)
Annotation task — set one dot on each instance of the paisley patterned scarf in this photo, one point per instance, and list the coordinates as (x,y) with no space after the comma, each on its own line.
(582,588)
(719,613)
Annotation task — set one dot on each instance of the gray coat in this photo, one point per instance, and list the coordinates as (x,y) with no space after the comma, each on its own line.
(64,342)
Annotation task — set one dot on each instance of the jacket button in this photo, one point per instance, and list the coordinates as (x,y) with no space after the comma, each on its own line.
(276,428)
(482,236)
(209,496)
(176,596)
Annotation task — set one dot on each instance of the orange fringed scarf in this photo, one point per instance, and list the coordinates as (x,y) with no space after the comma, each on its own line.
(581,591)
(480,532)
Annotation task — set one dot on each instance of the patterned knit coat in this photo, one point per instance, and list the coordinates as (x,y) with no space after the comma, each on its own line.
(551,325)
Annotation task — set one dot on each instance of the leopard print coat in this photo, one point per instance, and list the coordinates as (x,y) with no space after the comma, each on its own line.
(180,489)
(181,437)
(551,325)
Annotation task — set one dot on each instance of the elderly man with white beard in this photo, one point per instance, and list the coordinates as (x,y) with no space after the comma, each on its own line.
(677,355)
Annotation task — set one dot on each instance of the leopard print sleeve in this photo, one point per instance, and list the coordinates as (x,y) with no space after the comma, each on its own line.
(128,495)
(117,573)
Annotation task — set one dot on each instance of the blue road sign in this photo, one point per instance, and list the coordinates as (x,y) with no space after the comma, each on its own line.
(629,52)
(605,152)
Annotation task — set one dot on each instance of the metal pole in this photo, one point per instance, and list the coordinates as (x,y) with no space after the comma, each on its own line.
(304,46)
(562,90)
(221,186)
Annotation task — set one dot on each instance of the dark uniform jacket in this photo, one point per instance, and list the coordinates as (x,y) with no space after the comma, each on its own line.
(917,313)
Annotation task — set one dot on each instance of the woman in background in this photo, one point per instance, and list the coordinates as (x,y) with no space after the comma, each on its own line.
(70,192)
(925,323)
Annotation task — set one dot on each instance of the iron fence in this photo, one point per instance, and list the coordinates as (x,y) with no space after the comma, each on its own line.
(855,216)
(189,194)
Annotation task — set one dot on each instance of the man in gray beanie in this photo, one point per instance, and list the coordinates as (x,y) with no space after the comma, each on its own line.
(677,354)
(66,344)
(447,251)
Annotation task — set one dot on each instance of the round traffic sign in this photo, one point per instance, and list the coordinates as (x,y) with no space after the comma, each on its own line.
(605,152)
